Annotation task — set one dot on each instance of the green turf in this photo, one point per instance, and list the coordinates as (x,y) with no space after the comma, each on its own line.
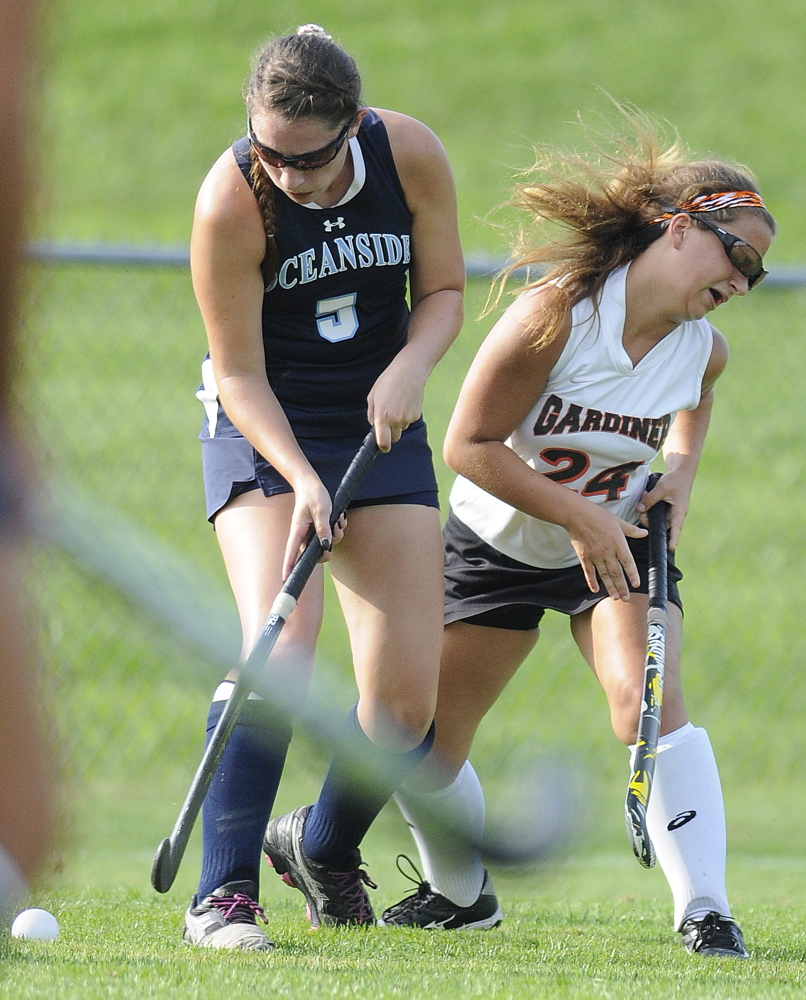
(592,925)
(125,946)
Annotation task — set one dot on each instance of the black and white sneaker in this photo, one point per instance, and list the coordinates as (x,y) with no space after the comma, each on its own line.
(334,898)
(227,918)
(430,910)
(714,935)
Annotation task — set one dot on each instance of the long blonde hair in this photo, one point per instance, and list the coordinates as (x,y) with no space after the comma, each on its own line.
(603,205)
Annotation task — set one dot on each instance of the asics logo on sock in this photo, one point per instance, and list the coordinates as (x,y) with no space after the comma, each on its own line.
(681,819)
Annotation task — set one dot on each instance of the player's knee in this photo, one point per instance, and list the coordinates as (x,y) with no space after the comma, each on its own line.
(413,723)
(625,711)
(399,725)
(626,732)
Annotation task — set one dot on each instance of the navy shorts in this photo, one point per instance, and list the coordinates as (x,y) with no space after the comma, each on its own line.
(485,587)
(231,467)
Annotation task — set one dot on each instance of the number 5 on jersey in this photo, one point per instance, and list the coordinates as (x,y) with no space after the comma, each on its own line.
(336,318)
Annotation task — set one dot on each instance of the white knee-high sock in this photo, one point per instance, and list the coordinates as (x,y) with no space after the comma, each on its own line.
(686,823)
(453,869)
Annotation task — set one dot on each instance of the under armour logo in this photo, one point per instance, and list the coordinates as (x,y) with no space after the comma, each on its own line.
(338,224)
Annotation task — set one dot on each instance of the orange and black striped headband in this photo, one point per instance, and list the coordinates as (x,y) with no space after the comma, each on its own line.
(714,203)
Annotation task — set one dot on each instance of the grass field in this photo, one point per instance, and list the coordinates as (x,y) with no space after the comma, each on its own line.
(134,101)
(596,925)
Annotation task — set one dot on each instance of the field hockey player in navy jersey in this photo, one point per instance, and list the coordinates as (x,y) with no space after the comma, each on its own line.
(605,362)
(309,234)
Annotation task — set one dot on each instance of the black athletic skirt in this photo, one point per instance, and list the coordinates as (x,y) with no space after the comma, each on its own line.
(231,466)
(485,587)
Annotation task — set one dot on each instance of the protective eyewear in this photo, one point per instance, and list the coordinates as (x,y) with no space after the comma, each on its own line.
(744,258)
(305,161)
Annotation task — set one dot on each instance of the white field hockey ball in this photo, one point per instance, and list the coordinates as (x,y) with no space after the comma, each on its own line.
(35,925)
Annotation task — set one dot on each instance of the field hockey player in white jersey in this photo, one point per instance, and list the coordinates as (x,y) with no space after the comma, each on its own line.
(603,363)
(311,236)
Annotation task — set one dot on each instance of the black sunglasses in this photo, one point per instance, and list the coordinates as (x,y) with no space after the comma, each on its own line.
(305,161)
(744,258)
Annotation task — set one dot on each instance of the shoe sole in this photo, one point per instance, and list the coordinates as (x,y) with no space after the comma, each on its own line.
(720,953)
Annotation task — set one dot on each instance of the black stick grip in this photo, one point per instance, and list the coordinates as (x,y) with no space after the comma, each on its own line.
(658,549)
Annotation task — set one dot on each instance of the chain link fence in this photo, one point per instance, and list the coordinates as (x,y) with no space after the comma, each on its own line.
(112,355)
(113,344)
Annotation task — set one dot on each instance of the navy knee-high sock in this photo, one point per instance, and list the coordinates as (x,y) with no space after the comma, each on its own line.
(240,799)
(352,796)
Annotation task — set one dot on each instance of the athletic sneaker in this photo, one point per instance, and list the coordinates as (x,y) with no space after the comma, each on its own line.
(428,909)
(334,897)
(714,935)
(227,919)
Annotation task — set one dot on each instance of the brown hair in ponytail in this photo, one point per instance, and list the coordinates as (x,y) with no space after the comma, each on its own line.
(298,76)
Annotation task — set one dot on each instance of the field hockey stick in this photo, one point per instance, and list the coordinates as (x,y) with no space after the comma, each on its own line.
(171,851)
(646,751)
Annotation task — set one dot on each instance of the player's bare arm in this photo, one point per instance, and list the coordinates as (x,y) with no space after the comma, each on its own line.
(503,384)
(227,248)
(682,450)
(437,275)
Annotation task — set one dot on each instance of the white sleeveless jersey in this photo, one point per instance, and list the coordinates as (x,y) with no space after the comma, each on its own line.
(596,428)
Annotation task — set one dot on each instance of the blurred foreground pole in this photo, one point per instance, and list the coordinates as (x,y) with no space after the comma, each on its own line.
(25,775)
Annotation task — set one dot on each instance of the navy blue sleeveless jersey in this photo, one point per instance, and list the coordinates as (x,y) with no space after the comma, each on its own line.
(336,314)
(333,320)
